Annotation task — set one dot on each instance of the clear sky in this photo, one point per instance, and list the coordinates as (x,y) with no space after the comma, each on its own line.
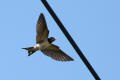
(93,24)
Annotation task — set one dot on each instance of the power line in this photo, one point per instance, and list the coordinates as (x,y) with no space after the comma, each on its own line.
(61,26)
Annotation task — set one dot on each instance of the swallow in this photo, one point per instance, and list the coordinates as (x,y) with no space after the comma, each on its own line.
(44,43)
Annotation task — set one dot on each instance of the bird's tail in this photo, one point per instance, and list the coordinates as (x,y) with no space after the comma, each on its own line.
(31,50)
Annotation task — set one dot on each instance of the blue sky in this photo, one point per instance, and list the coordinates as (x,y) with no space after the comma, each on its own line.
(94,25)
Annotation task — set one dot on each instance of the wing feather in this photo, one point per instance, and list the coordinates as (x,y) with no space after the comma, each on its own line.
(54,52)
(41,29)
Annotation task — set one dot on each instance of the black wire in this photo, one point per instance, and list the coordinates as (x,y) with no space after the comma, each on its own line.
(61,26)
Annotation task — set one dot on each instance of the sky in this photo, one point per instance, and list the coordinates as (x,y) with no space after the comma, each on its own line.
(93,24)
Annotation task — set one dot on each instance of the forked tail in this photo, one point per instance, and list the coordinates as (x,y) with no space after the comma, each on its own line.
(31,50)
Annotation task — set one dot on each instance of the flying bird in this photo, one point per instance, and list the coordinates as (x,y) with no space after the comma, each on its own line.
(44,43)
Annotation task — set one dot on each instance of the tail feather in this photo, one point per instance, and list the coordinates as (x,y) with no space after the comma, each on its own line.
(30,50)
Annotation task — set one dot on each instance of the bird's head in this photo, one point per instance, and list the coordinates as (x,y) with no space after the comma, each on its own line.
(51,39)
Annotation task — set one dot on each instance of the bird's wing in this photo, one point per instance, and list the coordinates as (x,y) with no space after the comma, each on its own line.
(54,52)
(41,29)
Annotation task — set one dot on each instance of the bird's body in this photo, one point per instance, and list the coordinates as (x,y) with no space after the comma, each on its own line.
(44,43)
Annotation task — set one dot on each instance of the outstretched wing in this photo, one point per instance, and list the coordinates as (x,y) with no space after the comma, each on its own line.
(41,29)
(54,52)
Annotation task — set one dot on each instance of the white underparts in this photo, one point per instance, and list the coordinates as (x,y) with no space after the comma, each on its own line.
(41,45)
